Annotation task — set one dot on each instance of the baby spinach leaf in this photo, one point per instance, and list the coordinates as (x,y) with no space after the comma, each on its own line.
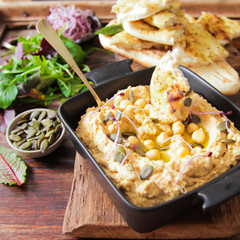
(12,168)
(8,93)
(110,30)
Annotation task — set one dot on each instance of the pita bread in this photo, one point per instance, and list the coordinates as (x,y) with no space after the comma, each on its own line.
(163,19)
(146,32)
(131,10)
(200,44)
(145,57)
(221,27)
(168,88)
(221,75)
(128,42)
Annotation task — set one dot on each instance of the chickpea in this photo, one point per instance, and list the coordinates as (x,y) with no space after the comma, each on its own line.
(133,140)
(199,136)
(192,127)
(182,152)
(124,103)
(167,129)
(161,138)
(141,103)
(147,109)
(178,127)
(153,154)
(149,144)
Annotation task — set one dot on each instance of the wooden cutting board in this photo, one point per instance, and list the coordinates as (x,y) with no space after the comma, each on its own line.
(91,214)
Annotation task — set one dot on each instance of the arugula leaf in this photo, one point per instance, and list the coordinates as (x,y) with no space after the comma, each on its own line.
(12,168)
(110,30)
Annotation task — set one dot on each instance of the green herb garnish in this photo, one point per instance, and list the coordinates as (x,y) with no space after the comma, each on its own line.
(110,30)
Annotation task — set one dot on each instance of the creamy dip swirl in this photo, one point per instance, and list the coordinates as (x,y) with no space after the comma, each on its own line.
(182,155)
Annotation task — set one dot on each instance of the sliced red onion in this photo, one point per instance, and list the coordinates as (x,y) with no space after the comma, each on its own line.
(19,52)
(127,155)
(106,103)
(139,135)
(188,163)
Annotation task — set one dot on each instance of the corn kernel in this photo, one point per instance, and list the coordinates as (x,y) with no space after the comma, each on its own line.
(149,144)
(192,127)
(153,154)
(199,136)
(178,127)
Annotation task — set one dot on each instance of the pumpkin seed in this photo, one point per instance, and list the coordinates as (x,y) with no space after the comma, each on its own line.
(25,116)
(34,114)
(131,97)
(49,133)
(227,141)
(42,116)
(25,145)
(15,137)
(222,126)
(31,133)
(35,124)
(51,139)
(128,134)
(46,122)
(21,142)
(20,132)
(164,148)
(139,150)
(113,138)
(146,172)
(40,141)
(22,121)
(119,153)
(118,115)
(108,115)
(196,119)
(58,128)
(52,114)
(23,126)
(44,145)
(187,102)
(16,130)
(155,120)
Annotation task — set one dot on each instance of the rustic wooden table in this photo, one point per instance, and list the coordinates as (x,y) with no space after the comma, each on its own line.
(36,209)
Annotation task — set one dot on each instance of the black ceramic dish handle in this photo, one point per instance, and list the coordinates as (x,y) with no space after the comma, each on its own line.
(106,72)
(222,190)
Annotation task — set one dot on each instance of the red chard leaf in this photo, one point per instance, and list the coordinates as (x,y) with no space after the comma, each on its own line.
(12,168)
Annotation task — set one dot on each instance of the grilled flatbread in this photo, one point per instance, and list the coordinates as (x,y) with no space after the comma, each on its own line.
(131,10)
(162,19)
(200,44)
(221,27)
(168,88)
(146,57)
(221,75)
(144,31)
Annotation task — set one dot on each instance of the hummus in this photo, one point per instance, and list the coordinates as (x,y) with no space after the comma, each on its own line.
(152,160)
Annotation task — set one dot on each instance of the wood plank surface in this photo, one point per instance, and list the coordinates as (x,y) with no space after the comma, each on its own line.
(36,210)
(91,214)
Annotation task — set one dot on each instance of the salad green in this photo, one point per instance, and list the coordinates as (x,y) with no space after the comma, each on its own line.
(38,74)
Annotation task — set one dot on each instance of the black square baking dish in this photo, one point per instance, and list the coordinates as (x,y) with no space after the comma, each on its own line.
(108,80)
